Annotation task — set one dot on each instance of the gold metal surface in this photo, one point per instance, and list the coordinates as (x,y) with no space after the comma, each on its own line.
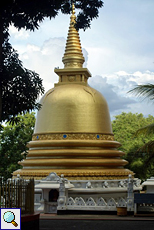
(73,134)
(82,174)
(73,56)
(74,143)
(73,108)
(74,162)
(77,76)
(76,152)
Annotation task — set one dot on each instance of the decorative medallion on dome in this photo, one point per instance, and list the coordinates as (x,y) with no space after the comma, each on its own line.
(71,78)
(98,136)
(64,136)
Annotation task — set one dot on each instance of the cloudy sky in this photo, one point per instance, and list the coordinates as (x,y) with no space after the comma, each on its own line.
(118,48)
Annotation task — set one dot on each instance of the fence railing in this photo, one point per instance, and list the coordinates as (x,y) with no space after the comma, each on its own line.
(17,193)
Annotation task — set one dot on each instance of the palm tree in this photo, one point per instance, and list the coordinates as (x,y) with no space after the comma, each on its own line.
(146,92)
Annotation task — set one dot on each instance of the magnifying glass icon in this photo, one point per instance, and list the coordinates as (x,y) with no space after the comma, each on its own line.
(9,217)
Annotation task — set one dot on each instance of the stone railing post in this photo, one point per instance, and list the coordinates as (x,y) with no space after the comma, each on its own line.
(62,194)
(130,194)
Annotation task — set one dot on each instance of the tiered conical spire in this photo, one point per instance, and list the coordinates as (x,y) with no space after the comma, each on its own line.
(73,56)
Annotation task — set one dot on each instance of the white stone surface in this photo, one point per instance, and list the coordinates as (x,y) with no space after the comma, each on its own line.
(96,195)
(149,183)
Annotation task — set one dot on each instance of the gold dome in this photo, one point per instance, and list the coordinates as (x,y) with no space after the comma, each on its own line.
(73,108)
(73,134)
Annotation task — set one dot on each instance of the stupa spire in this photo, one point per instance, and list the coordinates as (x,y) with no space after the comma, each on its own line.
(73,56)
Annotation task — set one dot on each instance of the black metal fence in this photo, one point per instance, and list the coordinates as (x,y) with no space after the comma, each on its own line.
(17,193)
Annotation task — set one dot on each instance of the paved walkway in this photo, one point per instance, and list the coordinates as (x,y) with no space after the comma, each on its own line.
(95,217)
(95,222)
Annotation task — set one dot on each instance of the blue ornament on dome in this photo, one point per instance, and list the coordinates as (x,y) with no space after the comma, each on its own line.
(98,136)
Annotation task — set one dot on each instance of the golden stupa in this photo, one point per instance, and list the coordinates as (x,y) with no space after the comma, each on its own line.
(73,134)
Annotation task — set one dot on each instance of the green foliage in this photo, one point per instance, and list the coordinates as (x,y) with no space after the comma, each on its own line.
(29,13)
(144,91)
(13,140)
(124,127)
(20,86)
(146,130)
(88,11)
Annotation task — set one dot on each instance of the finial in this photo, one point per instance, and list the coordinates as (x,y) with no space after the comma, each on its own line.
(73,9)
(73,17)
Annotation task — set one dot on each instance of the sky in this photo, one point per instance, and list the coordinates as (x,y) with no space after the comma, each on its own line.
(118,49)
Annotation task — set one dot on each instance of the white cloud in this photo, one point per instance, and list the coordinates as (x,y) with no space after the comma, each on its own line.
(44,59)
(115,89)
(21,34)
(32,48)
(126,81)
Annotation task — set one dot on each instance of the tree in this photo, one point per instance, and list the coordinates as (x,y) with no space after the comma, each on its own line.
(146,92)
(20,86)
(13,140)
(124,127)
(28,14)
